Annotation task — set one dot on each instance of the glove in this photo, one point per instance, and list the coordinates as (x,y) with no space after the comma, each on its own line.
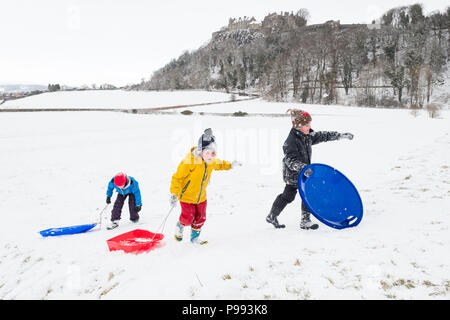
(173,200)
(108,200)
(346,135)
(235,164)
(308,173)
(138,208)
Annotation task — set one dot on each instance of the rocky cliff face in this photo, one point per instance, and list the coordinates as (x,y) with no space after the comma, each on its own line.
(396,61)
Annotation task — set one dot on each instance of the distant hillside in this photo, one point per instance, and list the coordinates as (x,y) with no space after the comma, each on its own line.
(399,60)
(21,87)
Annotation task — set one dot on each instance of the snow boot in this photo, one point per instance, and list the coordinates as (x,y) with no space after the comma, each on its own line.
(309,225)
(195,239)
(306,223)
(179,232)
(273,220)
(112,225)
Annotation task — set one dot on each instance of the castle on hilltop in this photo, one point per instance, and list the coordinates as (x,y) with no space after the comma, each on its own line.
(283,22)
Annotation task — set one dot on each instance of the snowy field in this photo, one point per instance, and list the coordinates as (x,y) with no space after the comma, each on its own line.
(56,166)
(114,99)
(256,107)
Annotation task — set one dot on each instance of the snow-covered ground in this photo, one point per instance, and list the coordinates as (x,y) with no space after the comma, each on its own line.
(115,99)
(259,107)
(56,166)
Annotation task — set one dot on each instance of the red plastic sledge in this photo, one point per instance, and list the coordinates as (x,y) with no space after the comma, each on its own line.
(135,241)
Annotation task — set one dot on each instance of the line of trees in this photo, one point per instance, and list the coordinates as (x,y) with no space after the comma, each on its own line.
(54,87)
(396,61)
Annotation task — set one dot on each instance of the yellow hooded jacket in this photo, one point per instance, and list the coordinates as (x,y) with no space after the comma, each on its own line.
(192,176)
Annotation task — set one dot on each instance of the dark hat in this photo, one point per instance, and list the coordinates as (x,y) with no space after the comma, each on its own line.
(299,117)
(207,141)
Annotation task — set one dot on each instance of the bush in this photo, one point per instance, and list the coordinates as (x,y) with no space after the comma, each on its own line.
(240,114)
(366,100)
(389,102)
(414,110)
(433,110)
(187,112)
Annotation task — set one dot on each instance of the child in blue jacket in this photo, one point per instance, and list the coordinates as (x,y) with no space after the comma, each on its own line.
(125,187)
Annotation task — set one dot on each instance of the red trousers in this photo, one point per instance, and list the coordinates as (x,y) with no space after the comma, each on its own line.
(193,215)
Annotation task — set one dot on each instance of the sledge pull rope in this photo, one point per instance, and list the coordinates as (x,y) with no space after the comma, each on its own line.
(101,216)
(163,224)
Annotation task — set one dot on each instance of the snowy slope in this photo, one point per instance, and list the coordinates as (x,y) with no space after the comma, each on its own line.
(259,107)
(55,169)
(115,99)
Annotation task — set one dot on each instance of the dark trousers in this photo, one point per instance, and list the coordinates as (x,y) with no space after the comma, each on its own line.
(284,199)
(118,205)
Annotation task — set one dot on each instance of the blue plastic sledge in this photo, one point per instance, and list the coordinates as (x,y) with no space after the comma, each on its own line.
(330,196)
(67,230)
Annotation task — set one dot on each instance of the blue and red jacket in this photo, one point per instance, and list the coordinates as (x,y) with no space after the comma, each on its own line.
(131,187)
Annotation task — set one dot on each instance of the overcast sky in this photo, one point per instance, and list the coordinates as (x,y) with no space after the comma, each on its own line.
(120,42)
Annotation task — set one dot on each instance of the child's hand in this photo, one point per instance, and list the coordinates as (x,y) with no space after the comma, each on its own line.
(308,173)
(137,208)
(108,200)
(235,164)
(173,200)
(346,135)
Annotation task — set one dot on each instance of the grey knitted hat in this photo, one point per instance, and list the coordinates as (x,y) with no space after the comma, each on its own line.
(207,141)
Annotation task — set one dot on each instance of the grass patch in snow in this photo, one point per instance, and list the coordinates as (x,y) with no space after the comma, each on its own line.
(409,284)
(226,277)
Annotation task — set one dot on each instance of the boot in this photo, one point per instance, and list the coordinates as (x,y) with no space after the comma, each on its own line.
(306,223)
(179,232)
(112,225)
(309,225)
(271,218)
(195,237)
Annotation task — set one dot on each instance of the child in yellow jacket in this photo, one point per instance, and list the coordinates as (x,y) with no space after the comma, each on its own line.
(188,185)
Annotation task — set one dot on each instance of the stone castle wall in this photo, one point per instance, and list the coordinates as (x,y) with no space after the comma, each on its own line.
(280,22)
